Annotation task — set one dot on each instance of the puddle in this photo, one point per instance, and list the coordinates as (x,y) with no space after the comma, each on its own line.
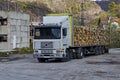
(103,63)
(106,74)
(100,73)
(6,59)
(117,49)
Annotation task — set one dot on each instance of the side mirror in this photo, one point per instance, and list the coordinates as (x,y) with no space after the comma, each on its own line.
(64,31)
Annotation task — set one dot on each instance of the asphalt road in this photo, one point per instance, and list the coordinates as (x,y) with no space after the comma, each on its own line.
(100,67)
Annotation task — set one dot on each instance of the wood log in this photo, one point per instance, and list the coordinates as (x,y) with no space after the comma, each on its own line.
(84,36)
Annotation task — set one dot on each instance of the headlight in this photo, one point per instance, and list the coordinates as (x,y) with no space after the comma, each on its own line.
(39,51)
(54,51)
(60,51)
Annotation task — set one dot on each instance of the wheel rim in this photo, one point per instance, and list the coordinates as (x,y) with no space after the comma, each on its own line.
(81,54)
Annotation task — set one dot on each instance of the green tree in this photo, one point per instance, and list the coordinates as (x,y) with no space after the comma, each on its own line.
(114,9)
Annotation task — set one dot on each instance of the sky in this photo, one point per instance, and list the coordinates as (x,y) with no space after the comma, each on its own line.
(95,0)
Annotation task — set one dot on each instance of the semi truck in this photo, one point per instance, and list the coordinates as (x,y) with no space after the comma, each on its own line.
(58,38)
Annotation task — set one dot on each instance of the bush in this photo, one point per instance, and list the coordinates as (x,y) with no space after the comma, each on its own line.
(4,54)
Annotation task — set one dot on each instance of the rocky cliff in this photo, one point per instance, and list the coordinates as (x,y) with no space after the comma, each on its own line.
(37,8)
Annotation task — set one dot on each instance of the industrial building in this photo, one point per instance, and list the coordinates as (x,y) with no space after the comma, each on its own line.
(14,30)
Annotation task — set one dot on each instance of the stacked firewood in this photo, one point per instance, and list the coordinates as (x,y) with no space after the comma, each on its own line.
(84,36)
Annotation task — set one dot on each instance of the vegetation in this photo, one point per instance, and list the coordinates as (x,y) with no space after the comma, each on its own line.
(39,8)
(32,8)
(114,9)
(94,23)
(114,38)
(24,50)
(4,54)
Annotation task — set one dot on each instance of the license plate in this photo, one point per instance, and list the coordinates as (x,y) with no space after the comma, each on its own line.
(46,51)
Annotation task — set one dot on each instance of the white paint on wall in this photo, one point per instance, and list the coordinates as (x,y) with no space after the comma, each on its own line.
(14,41)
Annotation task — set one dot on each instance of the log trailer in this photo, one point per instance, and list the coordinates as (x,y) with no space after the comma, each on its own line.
(58,38)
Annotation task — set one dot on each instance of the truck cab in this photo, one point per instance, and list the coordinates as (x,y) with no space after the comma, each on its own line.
(52,38)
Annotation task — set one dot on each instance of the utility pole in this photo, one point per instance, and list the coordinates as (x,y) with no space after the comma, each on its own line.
(8,5)
(82,14)
(16,6)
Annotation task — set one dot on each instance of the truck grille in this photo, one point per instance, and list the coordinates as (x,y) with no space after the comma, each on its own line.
(46,44)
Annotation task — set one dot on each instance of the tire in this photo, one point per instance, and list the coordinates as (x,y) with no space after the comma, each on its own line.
(74,55)
(80,54)
(41,59)
(106,51)
(70,54)
(67,57)
(103,50)
(97,51)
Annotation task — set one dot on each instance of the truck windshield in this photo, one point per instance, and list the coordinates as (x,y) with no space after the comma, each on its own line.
(47,33)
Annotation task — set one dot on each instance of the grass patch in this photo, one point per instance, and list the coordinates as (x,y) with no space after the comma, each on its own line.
(4,54)
(24,50)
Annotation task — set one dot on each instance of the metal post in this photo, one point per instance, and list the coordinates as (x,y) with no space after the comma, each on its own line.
(72,13)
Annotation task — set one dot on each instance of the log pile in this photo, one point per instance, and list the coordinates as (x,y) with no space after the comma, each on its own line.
(84,36)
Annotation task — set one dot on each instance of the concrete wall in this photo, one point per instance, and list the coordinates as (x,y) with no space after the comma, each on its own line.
(17,30)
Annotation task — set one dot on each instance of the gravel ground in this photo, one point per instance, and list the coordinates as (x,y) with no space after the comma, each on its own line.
(101,67)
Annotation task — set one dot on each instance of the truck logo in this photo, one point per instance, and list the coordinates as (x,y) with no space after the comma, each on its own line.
(46,44)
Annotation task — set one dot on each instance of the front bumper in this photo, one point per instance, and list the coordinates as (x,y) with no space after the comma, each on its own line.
(55,55)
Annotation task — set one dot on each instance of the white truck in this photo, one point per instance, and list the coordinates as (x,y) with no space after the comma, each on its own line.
(54,39)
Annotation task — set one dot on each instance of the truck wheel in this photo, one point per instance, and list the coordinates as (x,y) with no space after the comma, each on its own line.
(67,58)
(103,50)
(74,55)
(41,60)
(71,54)
(106,51)
(97,51)
(80,55)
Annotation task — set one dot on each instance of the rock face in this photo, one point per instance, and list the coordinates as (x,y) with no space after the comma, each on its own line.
(64,5)
(91,9)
